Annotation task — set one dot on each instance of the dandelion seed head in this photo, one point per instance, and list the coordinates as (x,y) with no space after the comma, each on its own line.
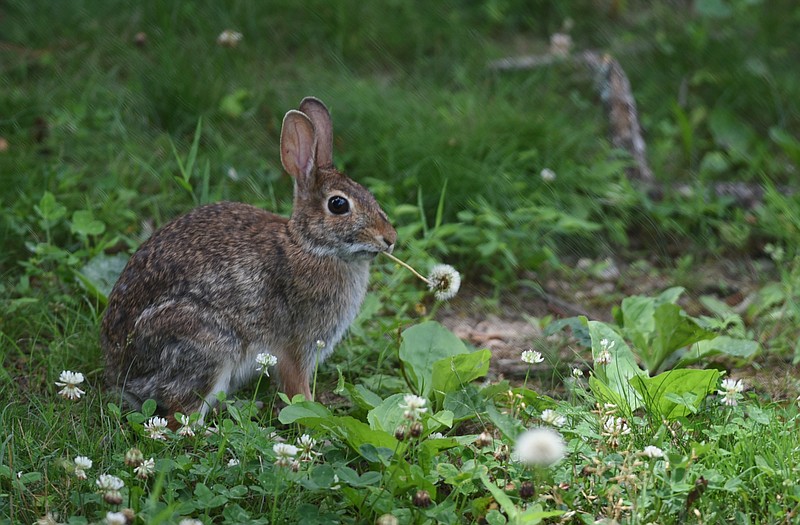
(540,446)
(444,281)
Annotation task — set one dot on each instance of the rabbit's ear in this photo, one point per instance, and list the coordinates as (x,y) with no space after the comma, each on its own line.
(298,147)
(321,118)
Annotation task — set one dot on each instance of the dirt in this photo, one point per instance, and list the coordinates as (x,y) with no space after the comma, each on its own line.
(592,288)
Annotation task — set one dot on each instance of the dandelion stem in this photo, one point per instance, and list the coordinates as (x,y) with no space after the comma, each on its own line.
(407,266)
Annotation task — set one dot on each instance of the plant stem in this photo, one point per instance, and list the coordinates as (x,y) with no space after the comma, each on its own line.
(401,263)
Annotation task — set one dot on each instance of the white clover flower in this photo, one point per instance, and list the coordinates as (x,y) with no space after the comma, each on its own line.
(146,469)
(306,445)
(532,357)
(186,429)
(560,45)
(190,521)
(551,417)
(577,373)
(444,281)
(48,519)
(285,454)
(82,464)
(539,446)
(156,428)
(108,482)
(414,406)
(615,426)
(116,518)
(264,361)
(229,38)
(70,381)
(435,435)
(110,486)
(233,462)
(547,175)
(603,358)
(731,391)
(652,452)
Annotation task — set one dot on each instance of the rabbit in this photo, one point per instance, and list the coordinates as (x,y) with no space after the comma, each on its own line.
(210,290)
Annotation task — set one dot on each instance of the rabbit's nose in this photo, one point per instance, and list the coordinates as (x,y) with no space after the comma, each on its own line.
(389,244)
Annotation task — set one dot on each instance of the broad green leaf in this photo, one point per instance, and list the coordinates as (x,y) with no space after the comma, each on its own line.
(454,372)
(510,427)
(669,296)
(617,373)
(465,404)
(100,273)
(659,392)
(502,498)
(638,319)
(49,210)
(303,410)
(387,415)
(674,330)
(741,348)
(439,420)
(422,345)
(84,223)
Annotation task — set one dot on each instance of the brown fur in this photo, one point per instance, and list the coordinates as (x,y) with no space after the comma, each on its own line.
(211,289)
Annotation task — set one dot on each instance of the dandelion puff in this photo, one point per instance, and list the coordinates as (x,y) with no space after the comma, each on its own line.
(414,406)
(70,381)
(532,357)
(156,428)
(652,451)
(116,518)
(146,469)
(284,453)
(264,361)
(82,464)
(444,281)
(540,446)
(551,417)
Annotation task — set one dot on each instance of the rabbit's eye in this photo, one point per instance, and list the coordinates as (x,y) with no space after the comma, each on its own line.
(338,205)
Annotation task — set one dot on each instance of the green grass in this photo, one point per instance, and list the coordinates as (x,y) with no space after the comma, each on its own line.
(97,128)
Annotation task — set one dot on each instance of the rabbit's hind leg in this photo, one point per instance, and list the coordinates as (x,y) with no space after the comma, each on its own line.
(189,352)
